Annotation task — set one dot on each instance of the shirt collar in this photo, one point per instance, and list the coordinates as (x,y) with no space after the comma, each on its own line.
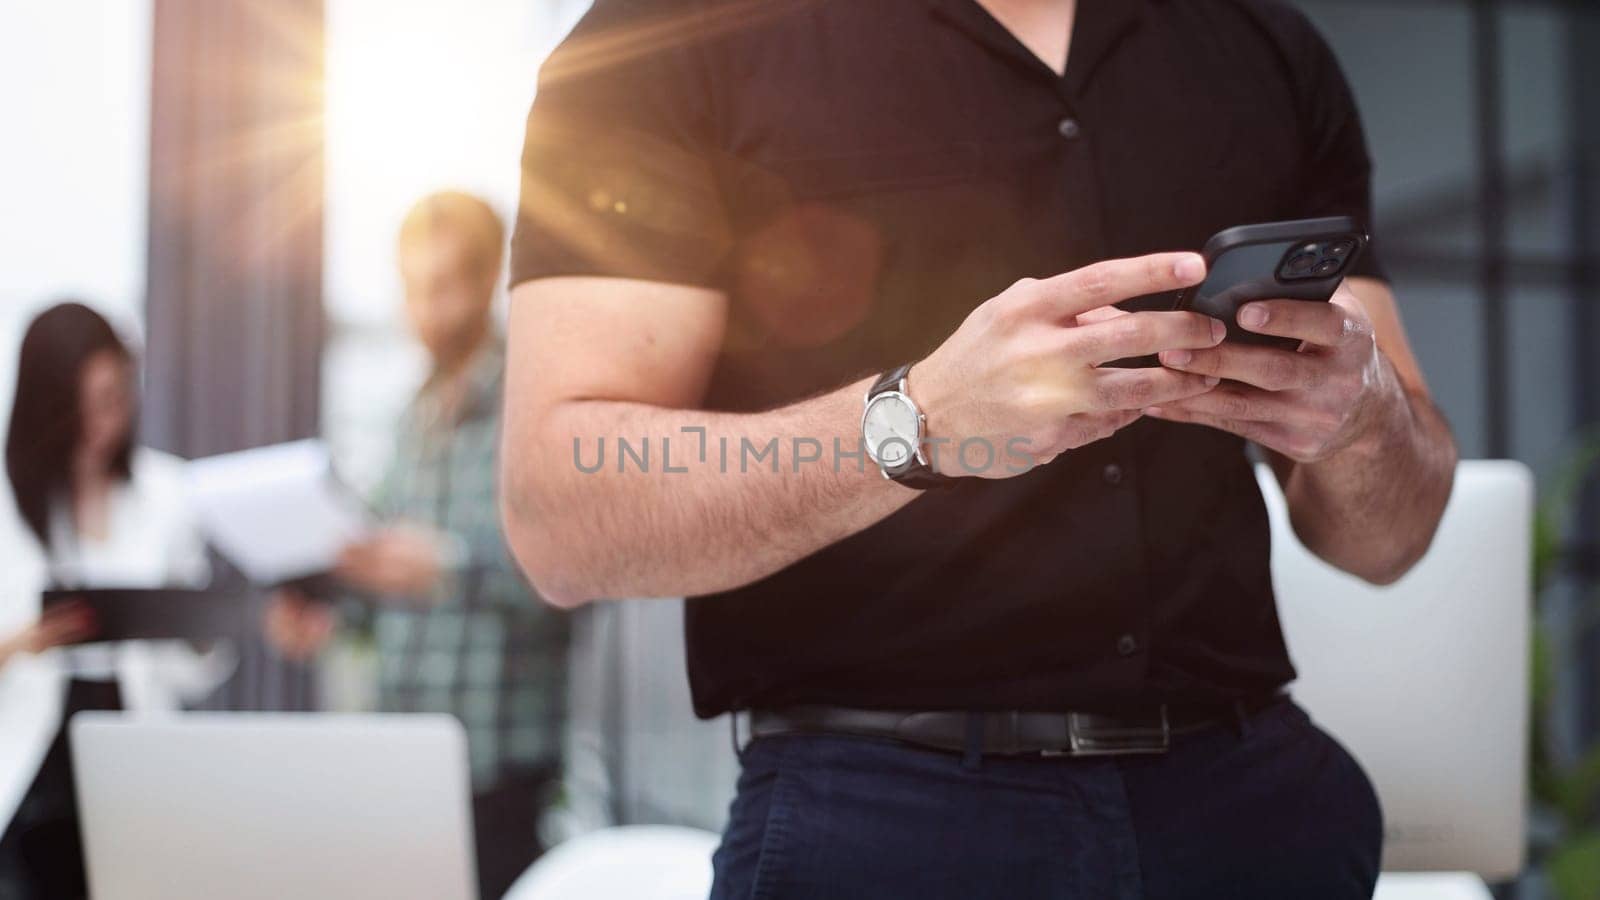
(1098,26)
(480,385)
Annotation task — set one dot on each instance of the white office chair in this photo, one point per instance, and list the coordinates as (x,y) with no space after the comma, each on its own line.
(1431,886)
(1426,681)
(629,862)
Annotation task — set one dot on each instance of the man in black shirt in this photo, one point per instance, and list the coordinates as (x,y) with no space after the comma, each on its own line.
(1043,658)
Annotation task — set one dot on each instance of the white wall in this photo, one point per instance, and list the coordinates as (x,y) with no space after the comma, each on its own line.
(73,160)
(74,147)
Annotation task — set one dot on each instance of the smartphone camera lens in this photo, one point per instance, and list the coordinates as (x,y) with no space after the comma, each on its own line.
(1341,249)
(1301,263)
(1326,267)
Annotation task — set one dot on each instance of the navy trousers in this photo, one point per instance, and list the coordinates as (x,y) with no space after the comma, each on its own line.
(1267,807)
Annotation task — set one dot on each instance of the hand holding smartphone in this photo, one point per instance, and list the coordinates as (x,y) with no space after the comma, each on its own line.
(1305,259)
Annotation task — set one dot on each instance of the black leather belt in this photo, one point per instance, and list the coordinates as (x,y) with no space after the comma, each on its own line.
(1012,733)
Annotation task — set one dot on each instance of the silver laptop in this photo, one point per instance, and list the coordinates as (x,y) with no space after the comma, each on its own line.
(248,806)
(1426,681)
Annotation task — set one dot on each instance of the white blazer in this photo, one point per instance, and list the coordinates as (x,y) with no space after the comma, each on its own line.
(151,540)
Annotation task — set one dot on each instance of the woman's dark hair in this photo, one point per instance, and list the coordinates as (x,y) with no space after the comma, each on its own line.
(46,418)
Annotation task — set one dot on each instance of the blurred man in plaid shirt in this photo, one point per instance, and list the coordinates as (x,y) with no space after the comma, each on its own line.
(457,628)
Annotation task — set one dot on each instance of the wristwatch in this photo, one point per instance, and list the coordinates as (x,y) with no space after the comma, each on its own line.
(893,430)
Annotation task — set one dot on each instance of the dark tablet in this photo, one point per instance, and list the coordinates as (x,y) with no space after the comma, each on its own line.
(127,614)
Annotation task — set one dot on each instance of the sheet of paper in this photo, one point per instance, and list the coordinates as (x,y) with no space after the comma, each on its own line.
(277,512)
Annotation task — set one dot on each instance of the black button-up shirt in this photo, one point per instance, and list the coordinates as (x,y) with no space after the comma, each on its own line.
(858,176)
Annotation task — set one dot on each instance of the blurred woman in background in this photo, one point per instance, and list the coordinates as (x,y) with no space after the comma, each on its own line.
(106,513)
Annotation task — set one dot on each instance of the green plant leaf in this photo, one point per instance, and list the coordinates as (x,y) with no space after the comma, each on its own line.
(1547,778)
(1575,868)
(1556,501)
(1542,675)
(1578,789)
(1568,790)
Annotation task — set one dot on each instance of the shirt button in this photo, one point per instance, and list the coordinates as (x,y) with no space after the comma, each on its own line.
(1127,645)
(1069,128)
(1111,474)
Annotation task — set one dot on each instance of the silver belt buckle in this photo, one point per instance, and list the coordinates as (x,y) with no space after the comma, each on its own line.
(1090,735)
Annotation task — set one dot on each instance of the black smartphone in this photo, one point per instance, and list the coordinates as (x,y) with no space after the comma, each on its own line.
(1300,260)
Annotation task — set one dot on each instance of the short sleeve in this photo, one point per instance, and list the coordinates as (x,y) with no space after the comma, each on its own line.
(1337,177)
(618,175)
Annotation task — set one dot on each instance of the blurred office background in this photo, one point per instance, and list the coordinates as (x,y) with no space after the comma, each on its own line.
(225,180)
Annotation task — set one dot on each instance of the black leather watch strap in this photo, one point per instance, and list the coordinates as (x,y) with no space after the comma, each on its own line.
(888,381)
(915,473)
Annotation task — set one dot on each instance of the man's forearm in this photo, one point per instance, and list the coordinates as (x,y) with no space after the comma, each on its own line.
(717,500)
(1372,508)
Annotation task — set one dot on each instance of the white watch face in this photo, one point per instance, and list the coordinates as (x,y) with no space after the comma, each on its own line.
(891,430)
